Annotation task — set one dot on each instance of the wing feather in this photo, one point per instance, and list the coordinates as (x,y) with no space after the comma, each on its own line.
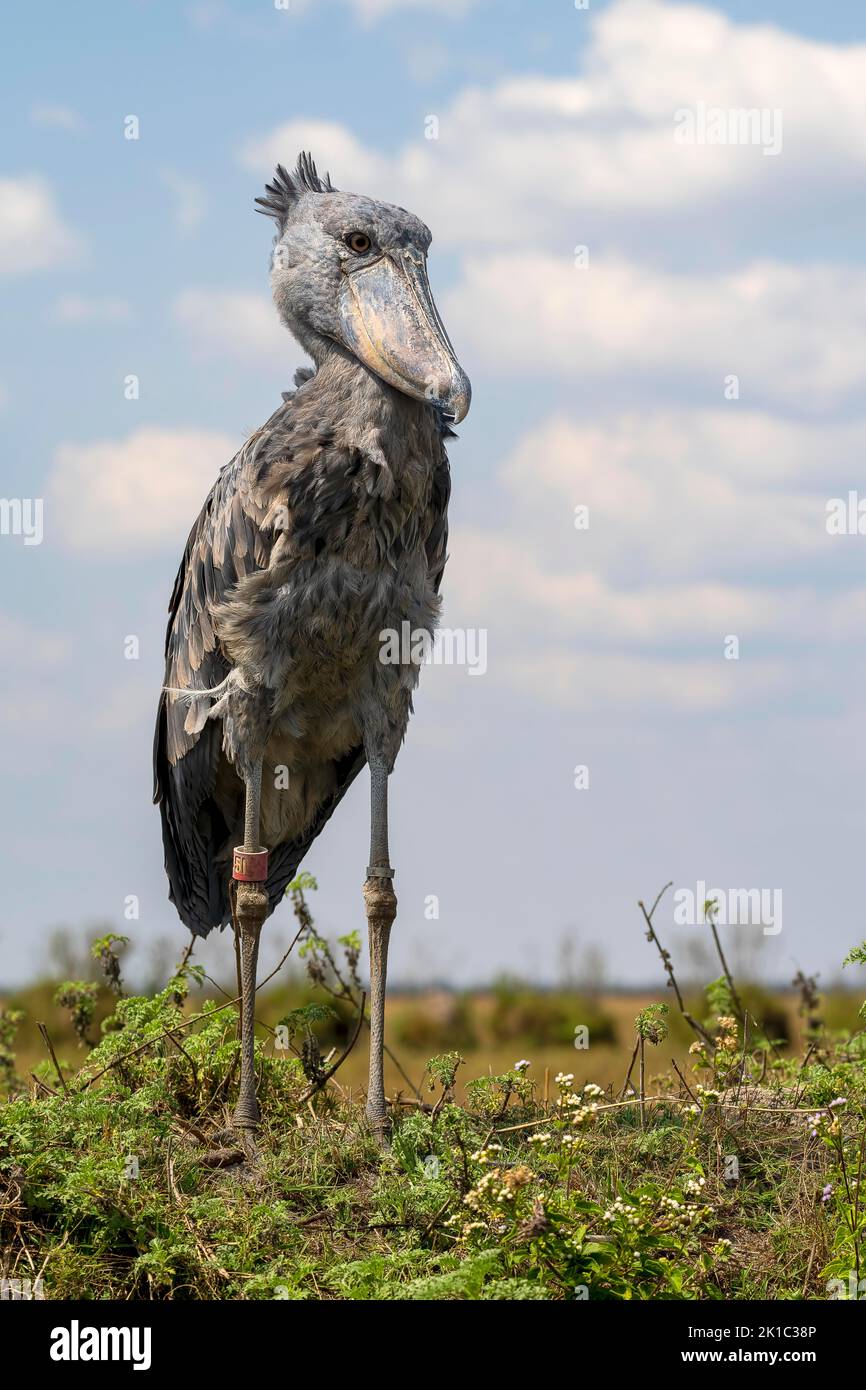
(187,748)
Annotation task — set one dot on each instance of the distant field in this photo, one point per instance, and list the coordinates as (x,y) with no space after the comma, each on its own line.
(491,1029)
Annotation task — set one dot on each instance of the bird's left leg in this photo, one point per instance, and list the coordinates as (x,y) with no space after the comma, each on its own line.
(381,905)
(250,870)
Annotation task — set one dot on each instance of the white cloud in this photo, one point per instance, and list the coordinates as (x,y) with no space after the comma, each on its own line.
(370,11)
(207,14)
(684,492)
(506,581)
(792,333)
(702,519)
(532,157)
(236,324)
(531,165)
(699,523)
(58,118)
(427,61)
(140,492)
(33,235)
(334,148)
(76,308)
(190,200)
(32,656)
(122,708)
(35,648)
(569,638)
(581,682)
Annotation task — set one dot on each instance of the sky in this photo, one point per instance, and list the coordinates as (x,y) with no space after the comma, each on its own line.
(663,315)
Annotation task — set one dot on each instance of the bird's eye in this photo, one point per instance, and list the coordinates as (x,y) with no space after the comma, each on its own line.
(358,242)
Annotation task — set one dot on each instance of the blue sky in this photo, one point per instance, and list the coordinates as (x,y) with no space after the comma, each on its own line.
(602,386)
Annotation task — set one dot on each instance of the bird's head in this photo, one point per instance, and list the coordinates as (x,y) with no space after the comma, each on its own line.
(352,270)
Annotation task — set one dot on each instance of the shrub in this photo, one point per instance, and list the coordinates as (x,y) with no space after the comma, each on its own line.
(545,1020)
(429,1025)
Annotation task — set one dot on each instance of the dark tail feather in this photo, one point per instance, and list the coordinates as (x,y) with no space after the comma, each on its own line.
(194,834)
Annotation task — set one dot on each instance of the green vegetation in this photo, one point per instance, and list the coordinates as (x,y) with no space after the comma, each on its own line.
(736,1175)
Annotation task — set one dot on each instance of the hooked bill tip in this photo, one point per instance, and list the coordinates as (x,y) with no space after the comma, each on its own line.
(457,401)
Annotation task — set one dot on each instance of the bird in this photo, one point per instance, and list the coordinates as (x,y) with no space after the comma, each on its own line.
(326,531)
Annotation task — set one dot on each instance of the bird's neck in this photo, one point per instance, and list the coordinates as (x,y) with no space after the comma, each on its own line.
(370,414)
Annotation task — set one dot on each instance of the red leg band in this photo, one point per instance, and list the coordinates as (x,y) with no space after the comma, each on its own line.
(250,866)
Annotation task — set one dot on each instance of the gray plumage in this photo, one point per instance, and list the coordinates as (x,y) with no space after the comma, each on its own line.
(328,526)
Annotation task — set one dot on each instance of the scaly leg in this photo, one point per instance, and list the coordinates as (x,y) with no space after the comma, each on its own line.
(250,869)
(381,906)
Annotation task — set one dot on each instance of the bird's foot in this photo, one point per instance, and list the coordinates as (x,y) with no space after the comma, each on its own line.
(252,1152)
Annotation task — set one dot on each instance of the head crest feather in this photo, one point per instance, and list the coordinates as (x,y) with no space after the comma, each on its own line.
(284,189)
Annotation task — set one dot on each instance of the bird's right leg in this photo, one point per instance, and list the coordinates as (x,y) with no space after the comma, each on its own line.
(250,870)
(381,905)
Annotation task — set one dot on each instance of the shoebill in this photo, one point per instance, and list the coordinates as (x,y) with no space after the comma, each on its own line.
(327,530)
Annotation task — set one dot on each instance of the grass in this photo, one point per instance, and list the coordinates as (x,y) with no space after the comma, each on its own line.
(736,1176)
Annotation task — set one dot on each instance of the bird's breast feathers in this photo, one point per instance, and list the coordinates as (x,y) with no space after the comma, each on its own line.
(316,540)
